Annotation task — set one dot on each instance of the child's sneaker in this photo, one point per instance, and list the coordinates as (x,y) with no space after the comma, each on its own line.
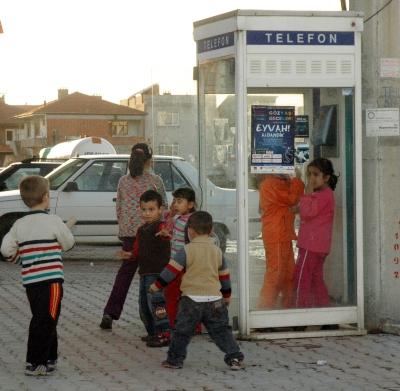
(235,364)
(106,322)
(36,370)
(167,364)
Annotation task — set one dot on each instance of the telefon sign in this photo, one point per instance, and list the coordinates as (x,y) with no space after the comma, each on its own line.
(300,38)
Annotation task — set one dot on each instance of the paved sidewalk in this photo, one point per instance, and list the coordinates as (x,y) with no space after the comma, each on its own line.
(94,359)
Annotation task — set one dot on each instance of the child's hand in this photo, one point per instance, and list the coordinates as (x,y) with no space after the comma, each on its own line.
(164,232)
(309,189)
(122,254)
(297,172)
(153,288)
(227,301)
(71,222)
(172,209)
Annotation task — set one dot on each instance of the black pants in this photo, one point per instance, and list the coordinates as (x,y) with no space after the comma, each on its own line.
(45,301)
(214,315)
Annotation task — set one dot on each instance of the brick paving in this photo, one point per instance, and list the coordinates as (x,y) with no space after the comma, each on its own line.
(94,359)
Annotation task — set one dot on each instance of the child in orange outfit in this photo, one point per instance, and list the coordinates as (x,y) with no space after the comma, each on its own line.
(278,194)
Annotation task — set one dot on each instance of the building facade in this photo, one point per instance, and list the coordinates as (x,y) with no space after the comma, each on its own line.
(170,123)
(74,116)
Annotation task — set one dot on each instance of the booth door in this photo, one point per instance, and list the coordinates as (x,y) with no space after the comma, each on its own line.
(217,125)
(289,287)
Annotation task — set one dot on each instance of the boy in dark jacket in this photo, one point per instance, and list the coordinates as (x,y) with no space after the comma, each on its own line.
(151,250)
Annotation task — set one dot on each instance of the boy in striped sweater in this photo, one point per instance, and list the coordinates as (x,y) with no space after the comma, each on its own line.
(206,291)
(183,205)
(35,241)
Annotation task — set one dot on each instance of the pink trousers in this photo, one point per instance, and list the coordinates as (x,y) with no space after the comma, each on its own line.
(308,280)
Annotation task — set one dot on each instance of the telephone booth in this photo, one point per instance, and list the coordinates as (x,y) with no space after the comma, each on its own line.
(304,70)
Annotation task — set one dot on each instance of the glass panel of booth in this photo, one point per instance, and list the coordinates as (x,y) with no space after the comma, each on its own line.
(217,112)
(322,273)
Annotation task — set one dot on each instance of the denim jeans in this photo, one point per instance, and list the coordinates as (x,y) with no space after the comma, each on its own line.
(152,308)
(214,316)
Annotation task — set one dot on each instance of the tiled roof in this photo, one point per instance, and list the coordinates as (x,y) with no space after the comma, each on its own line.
(78,103)
(5,148)
(7,112)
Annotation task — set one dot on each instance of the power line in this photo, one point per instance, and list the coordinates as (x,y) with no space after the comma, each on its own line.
(377,12)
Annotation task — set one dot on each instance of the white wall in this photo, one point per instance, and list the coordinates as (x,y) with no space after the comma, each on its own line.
(381,161)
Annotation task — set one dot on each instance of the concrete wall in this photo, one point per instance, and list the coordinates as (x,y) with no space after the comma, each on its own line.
(381,159)
(185,134)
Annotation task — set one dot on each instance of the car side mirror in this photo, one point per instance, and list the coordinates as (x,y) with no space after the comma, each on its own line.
(3,186)
(71,186)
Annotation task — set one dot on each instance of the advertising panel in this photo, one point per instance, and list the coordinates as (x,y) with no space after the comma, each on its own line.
(272,139)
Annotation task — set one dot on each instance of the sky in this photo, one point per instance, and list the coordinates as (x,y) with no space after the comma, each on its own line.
(112,48)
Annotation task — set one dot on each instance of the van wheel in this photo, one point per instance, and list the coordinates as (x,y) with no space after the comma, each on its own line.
(220,233)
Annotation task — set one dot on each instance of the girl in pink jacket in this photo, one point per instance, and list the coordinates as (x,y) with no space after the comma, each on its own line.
(315,234)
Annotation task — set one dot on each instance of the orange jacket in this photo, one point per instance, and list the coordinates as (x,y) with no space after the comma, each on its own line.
(277,196)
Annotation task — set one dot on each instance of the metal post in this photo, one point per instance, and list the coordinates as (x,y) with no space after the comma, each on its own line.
(359,186)
(242,181)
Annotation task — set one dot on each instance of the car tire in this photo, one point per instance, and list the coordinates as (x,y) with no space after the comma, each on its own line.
(220,233)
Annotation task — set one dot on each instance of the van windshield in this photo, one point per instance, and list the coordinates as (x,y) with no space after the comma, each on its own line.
(61,174)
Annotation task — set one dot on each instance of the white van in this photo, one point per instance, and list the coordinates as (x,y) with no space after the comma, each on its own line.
(85,187)
(78,147)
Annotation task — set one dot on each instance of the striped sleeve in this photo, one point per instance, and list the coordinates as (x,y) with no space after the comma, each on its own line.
(174,267)
(224,278)
(63,234)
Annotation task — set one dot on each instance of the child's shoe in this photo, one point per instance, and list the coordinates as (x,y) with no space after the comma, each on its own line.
(158,341)
(106,322)
(167,364)
(36,370)
(235,364)
(51,365)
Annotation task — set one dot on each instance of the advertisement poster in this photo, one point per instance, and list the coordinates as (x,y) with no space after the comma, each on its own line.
(272,139)
(301,126)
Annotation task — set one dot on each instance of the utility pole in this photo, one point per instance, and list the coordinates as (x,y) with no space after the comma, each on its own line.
(343,4)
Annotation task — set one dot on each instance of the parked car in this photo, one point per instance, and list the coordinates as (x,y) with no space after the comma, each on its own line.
(52,157)
(11,176)
(85,187)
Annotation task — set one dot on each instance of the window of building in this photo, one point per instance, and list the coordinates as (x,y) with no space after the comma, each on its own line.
(168,149)
(167,118)
(119,128)
(9,135)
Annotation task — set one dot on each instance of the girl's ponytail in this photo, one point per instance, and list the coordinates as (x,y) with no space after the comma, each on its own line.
(140,154)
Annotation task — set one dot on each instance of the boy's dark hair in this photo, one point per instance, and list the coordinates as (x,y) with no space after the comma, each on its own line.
(201,222)
(326,167)
(32,189)
(140,154)
(152,195)
(187,194)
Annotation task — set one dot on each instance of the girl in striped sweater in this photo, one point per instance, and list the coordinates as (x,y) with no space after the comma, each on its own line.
(183,205)
(36,241)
